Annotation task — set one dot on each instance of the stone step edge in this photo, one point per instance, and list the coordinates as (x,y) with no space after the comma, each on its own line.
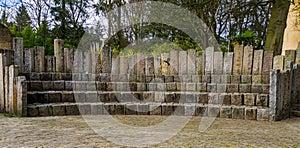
(235,112)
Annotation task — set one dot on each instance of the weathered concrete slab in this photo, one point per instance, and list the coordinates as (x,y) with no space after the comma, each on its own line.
(29,60)
(247,60)
(238,59)
(39,59)
(279,62)
(267,62)
(174,62)
(200,62)
(228,63)
(191,59)
(257,62)
(59,54)
(218,63)
(183,63)
(2,73)
(209,60)
(18,54)
(68,59)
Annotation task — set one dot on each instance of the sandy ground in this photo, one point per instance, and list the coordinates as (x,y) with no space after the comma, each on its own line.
(73,131)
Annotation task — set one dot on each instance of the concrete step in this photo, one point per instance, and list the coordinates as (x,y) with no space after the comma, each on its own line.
(238,99)
(104,77)
(153,86)
(295,113)
(296,107)
(179,109)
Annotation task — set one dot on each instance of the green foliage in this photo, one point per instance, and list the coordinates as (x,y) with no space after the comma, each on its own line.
(248,38)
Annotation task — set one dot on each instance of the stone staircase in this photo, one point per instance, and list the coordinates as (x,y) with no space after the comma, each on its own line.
(59,94)
(295,110)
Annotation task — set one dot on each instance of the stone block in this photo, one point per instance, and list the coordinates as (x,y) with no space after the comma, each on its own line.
(178,109)
(226,112)
(35,76)
(262,100)
(206,79)
(262,114)
(59,85)
(190,98)
(235,79)
(238,59)
(266,79)
(169,79)
(200,62)
(80,86)
(209,60)
(196,78)
(256,88)
(109,109)
(213,98)
(257,79)
(45,76)
(72,109)
(191,59)
(97,109)
(45,110)
(245,88)
(161,87)
(133,86)
(211,87)
(189,109)
(225,99)
(67,97)
(225,79)
(218,63)
(167,109)
(148,97)
(174,63)
(201,110)
(171,86)
(201,87)
(78,96)
(216,79)
(155,109)
(91,86)
(131,109)
(247,60)
(101,86)
(228,63)
(143,109)
(266,88)
(191,86)
(170,97)
(104,97)
(119,109)
(181,86)
(165,64)
(85,109)
(238,112)
(236,99)
(186,78)
(250,113)
(32,111)
(267,62)
(141,86)
(47,85)
(221,88)
(91,97)
(257,62)
(54,97)
(59,110)
(36,85)
(246,79)
(249,99)
(232,88)
(279,62)
(203,98)
(214,111)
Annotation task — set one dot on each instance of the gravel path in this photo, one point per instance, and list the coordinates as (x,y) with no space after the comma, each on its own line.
(73,131)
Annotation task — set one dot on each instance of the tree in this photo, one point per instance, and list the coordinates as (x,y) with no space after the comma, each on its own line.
(277,25)
(23,19)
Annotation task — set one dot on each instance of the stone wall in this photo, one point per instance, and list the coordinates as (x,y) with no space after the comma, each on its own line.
(6,38)
(252,90)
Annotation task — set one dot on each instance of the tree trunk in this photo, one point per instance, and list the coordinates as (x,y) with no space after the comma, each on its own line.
(277,26)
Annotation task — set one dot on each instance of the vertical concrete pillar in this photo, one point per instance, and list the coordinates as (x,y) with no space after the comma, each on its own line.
(21,96)
(6,88)
(106,59)
(200,63)
(68,59)
(29,60)
(257,62)
(49,63)
(2,92)
(228,63)
(274,102)
(19,50)
(247,60)
(39,59)
(59,55)
(174,62)
(191,62)
(183,63)
(209,60)
(238,59)
(279,62)
(218,63)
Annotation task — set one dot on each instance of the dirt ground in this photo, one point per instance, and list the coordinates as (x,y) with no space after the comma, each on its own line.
(73,131)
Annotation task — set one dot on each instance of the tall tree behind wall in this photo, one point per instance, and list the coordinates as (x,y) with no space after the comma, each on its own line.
(277,26)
